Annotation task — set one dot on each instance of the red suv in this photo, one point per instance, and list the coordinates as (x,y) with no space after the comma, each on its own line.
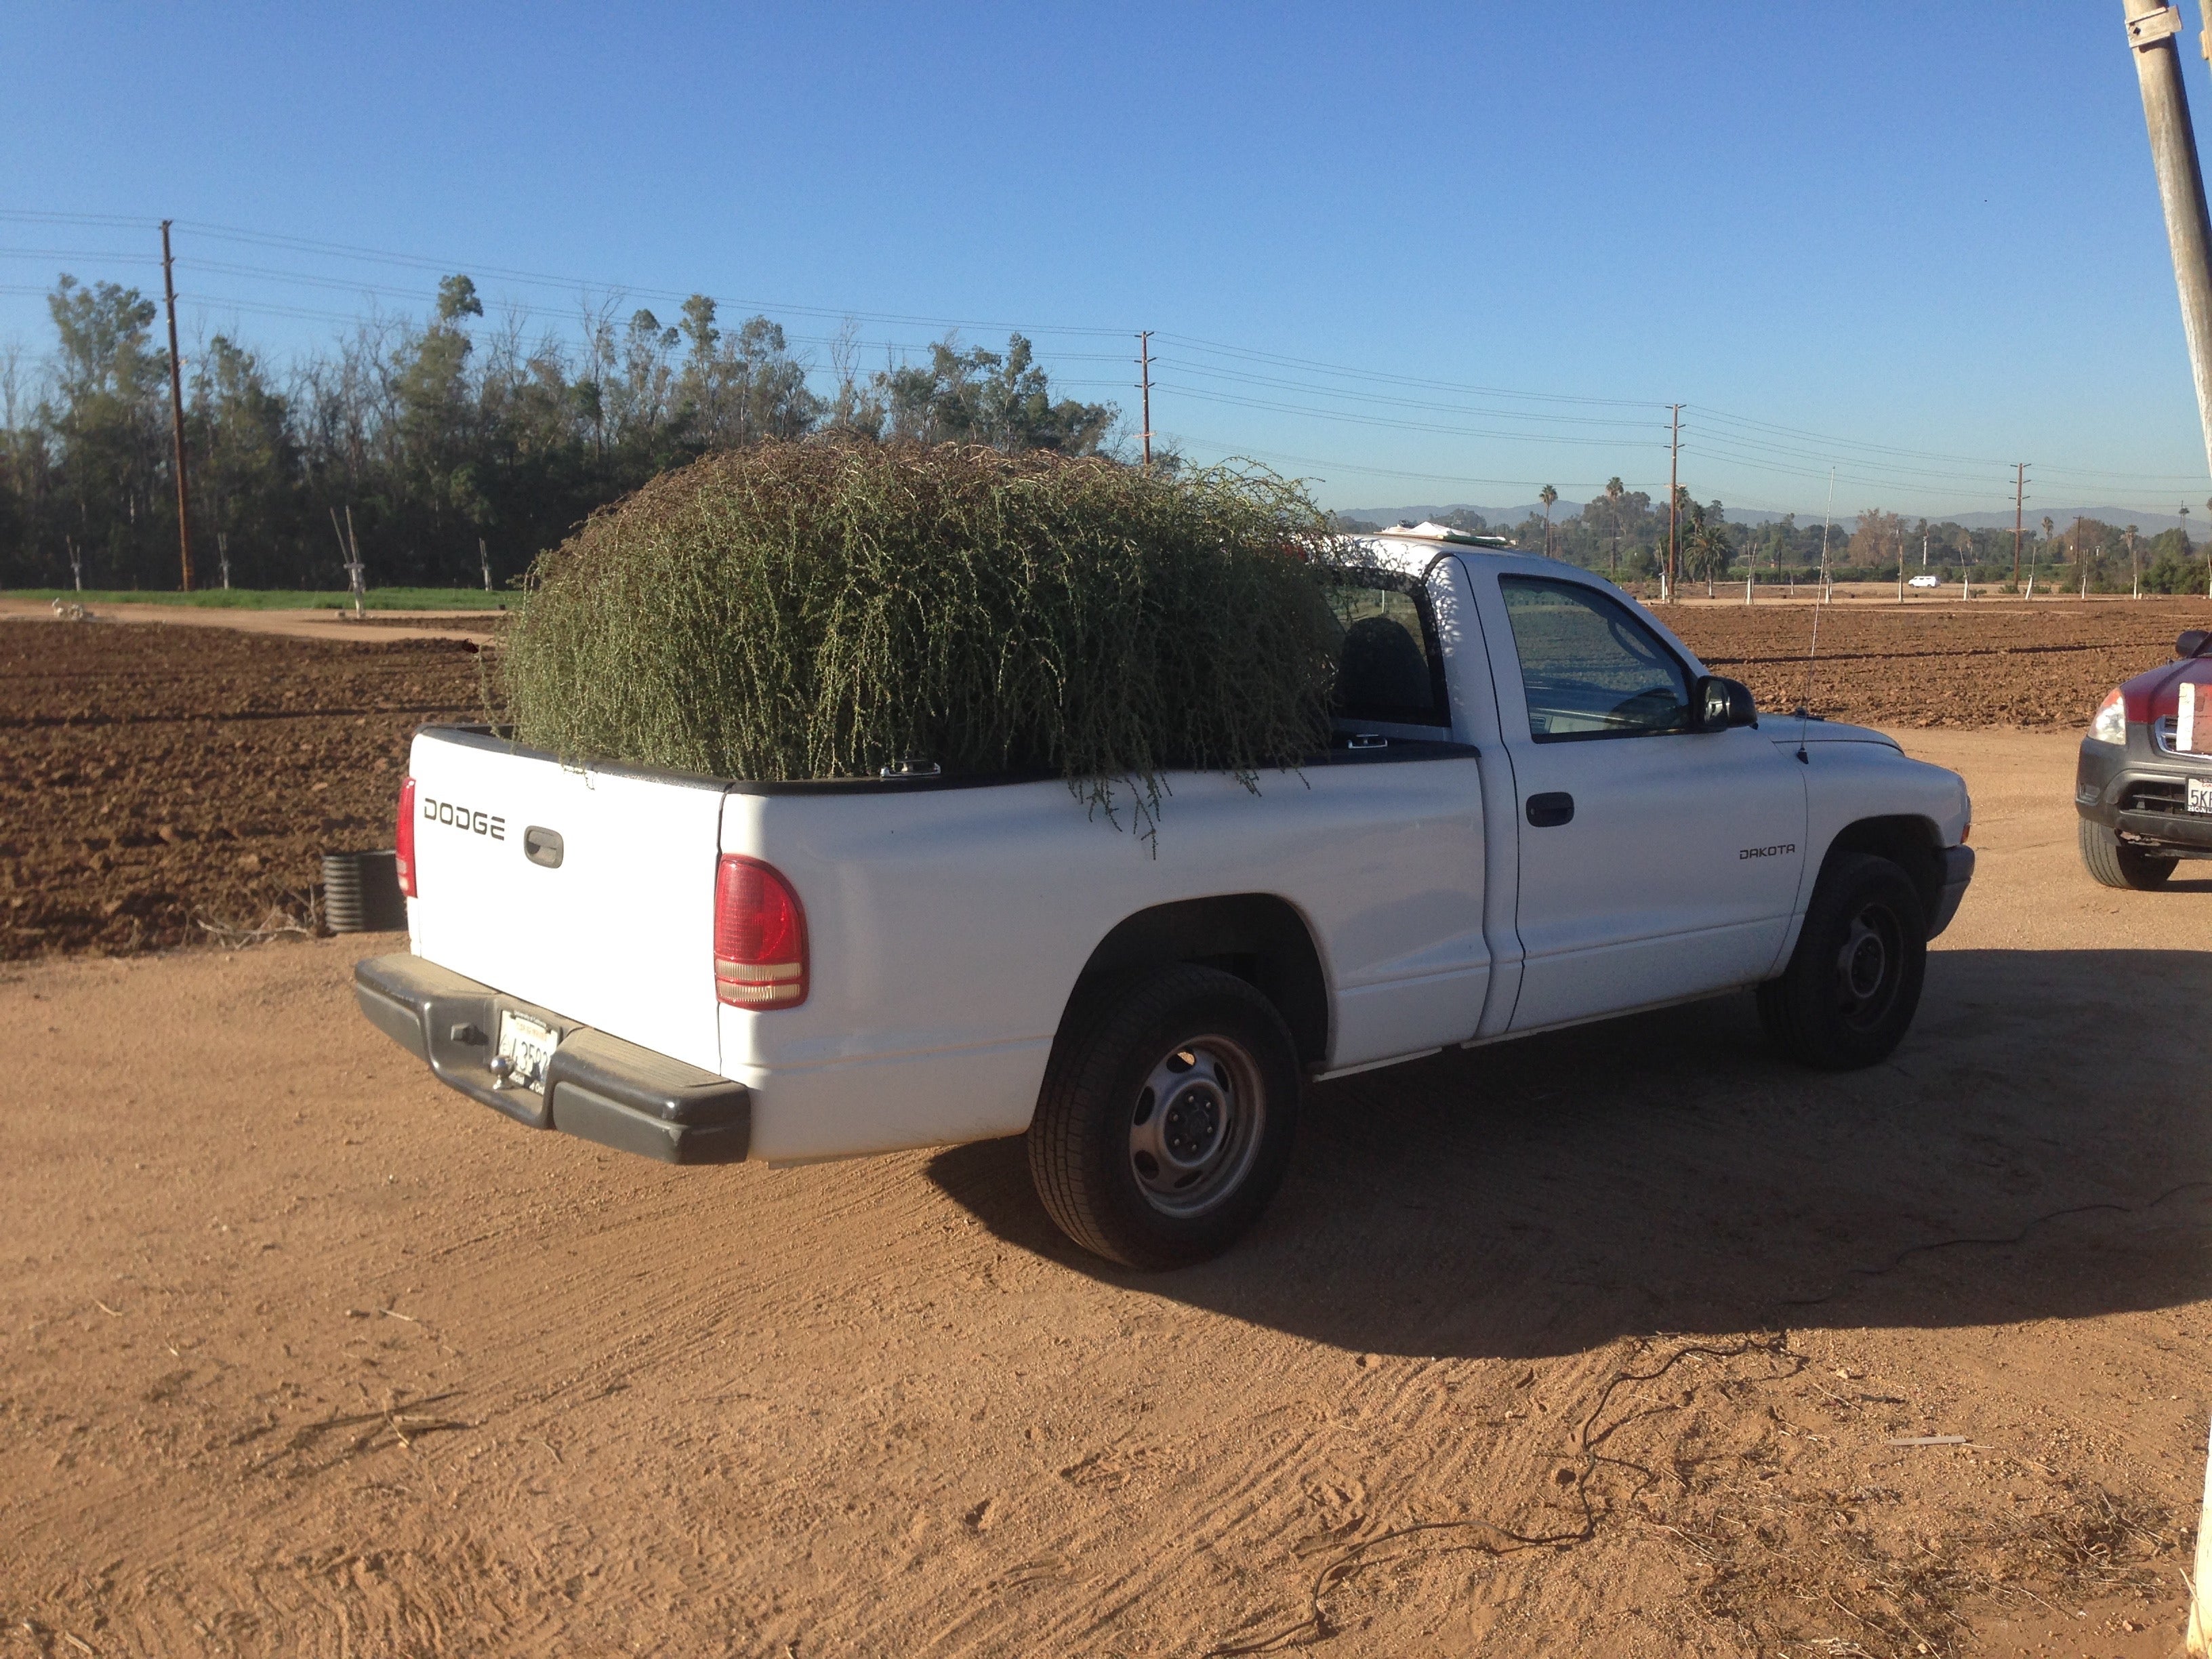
(2143,786)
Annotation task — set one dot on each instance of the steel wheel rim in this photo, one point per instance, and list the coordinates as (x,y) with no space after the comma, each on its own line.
(1194,1126)
(1870,964)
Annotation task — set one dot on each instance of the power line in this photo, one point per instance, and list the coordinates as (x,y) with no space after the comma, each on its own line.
(1735,439)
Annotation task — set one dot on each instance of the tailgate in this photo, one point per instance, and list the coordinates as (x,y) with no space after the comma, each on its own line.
(612,925)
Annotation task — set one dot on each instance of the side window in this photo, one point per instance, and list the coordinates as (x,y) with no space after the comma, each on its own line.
(1589,668)
(1386,667)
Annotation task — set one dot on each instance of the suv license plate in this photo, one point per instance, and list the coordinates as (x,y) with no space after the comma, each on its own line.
(530,1044)
(2200,795)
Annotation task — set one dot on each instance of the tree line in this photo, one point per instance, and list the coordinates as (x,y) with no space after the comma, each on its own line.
(1623,533)
(457,446)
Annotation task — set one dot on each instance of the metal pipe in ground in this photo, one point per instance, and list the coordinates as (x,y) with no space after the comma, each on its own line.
(2154,38)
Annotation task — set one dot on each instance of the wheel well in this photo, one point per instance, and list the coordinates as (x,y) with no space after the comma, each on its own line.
(1911,843)
(1257,937)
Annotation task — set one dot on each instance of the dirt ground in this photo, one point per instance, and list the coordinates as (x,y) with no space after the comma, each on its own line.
(1614,1342)
(161,784)
(1934,663)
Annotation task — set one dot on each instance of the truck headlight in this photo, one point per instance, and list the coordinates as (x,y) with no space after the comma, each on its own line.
(2111,724)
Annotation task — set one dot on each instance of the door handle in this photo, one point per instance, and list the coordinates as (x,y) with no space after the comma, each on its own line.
(1548,811)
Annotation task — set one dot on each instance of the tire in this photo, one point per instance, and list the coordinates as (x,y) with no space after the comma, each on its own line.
(1853,984)
(2117,865)
(1167,1116)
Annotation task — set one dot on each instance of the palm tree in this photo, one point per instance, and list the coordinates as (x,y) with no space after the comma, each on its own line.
(1547,495)
(1707,550)
(1614,491)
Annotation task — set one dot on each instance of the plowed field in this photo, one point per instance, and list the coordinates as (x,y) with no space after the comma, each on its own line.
(163,785)
(1939,663)
(160,786)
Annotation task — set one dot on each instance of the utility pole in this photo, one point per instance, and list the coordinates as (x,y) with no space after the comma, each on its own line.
(483,558)
(1144,365)
(2152,27)
(177,415)
(1673,492)
(1826,513)
(353,562)
(222,556)
(2019,498)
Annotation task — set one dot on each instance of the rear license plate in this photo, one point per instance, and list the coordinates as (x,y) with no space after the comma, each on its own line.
(528,1044)
(2200,795)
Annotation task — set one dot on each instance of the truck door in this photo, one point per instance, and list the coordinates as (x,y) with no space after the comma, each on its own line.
(1656,862)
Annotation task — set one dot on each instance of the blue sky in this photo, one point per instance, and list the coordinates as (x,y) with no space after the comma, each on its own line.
(1935,233)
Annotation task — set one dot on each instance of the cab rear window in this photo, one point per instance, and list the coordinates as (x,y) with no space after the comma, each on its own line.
(1388,671)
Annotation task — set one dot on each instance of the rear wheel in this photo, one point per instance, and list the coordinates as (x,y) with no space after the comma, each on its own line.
(1853,985)
(2116,864)
(1167,1116)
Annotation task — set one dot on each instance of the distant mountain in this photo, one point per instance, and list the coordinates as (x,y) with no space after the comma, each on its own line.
(1387,516)
(2148,522)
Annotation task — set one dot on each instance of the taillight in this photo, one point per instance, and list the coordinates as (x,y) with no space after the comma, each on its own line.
(403,837)
(760,937)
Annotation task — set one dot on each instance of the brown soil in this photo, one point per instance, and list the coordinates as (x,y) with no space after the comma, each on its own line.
(167,782)
(2048,663)
(163,783)
(1600,1344)
(158,783)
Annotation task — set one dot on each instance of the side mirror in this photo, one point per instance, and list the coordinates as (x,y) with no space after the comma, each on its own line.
(1716,704)
(2192,643)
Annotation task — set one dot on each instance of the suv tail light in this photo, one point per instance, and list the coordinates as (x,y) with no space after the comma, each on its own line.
(760,937)
(403,837)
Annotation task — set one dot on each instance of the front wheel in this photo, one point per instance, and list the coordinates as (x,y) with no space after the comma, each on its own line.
(2116,864)
(1853,985)
(1167,1116)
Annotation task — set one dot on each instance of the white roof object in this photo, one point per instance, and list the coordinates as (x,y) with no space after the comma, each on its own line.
(1430,530)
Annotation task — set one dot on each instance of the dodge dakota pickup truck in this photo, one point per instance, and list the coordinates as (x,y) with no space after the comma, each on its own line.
(1537,810)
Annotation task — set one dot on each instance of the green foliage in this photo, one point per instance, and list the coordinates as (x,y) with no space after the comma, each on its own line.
(984,396)
(823,610)
(436,433)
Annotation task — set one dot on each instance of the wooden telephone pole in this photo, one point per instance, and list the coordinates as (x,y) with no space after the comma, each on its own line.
(1145,366)
(177,415)
(1673,495)
(2019,498)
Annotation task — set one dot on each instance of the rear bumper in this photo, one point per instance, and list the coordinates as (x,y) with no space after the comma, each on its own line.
(1958,871)
(597,1086)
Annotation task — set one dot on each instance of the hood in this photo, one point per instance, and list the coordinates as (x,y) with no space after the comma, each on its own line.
(2156,692)
(1784,729)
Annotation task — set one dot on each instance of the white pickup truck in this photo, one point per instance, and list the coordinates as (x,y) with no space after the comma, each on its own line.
(1538,810)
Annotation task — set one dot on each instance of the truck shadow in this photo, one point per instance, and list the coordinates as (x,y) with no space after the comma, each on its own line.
(2036,1150)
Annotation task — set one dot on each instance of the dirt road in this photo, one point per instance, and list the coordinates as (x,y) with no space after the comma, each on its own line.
(331,627)
(300,1353)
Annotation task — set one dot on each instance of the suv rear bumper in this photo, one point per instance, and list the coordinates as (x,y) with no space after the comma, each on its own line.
(2141,792)
(597,1086)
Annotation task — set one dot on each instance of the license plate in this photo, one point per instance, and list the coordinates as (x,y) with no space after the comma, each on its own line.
(2200,795)
(529,1044)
